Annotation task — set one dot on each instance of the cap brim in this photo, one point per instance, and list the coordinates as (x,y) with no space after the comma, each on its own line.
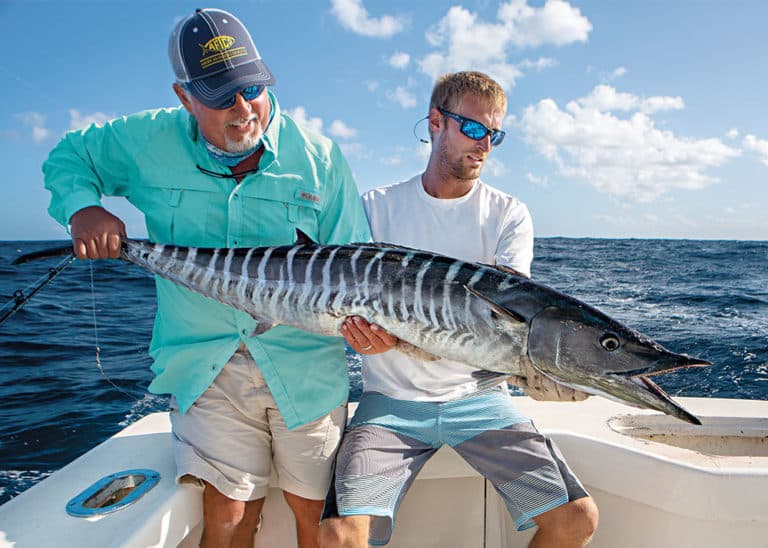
(216,89)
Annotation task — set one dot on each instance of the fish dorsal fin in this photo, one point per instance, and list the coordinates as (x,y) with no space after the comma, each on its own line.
(385,245)
(302,238)
(265,324)
(415,352)
(497,308)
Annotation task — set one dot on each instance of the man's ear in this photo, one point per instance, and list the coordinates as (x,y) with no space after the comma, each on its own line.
(435,123)
(435,120)
(182,95)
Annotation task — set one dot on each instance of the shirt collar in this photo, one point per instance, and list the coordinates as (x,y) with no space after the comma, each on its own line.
(271,137)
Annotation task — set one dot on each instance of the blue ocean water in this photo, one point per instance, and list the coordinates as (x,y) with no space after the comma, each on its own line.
(705,298)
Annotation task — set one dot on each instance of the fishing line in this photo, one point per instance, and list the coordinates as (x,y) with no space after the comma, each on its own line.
(96,337)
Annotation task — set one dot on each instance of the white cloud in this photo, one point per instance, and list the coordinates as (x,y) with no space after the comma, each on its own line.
(606,98)
(617,73)
(36,122)
(536,180)
(341,130)
(733,133)
(394,160)
(399,60)
(557,22)
(758,146)
(456,38)
(495,167)
(539,64)
(372,85)
(402,96)
(299,115)
(78,120)
(354,17)
(628,157)
(352,149)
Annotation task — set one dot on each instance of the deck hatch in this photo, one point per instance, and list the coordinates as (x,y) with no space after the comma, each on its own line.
(112,493)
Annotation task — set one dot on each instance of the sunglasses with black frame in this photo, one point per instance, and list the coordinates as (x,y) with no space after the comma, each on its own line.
(474,129)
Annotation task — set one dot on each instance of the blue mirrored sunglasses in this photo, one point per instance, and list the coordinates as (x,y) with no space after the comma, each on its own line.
(474,129)
(249,94)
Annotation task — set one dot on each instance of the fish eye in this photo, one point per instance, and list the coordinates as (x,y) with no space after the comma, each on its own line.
(610,342)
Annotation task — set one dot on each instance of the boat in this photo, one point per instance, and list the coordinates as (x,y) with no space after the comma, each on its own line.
(658,482)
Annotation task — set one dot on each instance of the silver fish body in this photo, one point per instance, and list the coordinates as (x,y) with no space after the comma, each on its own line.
(439,307)
(488,317)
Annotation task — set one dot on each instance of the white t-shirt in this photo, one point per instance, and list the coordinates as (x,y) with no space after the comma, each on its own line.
(485,225)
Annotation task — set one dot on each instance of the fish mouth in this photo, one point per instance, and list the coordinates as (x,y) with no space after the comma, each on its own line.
(634,386)
(664,366)
(647,384)
(641,378)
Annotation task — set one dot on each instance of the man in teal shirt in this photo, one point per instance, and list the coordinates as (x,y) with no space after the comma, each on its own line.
(228,169)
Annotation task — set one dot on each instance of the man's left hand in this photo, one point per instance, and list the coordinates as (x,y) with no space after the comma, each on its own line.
(365,337)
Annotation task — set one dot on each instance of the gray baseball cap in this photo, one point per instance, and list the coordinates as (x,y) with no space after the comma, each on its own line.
(214,57)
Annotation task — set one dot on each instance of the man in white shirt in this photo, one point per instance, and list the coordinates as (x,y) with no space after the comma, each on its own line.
(448,210)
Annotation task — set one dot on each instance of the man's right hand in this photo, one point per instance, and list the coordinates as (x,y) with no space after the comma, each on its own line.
(541,388)
(96,233)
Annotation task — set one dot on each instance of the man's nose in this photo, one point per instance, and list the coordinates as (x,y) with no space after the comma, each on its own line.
(241,105)
(484,144)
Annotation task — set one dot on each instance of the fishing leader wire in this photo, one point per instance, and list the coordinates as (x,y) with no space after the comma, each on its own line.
(96,338)
(22,296)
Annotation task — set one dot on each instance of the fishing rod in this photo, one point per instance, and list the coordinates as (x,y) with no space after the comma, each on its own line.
(22,297)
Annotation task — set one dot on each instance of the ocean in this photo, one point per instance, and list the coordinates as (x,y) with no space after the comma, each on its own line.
(58,398)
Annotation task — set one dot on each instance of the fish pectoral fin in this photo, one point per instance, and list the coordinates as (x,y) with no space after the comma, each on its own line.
(497,308)
(488,379)
(415,352)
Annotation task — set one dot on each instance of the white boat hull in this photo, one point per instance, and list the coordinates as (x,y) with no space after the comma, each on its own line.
(693,486)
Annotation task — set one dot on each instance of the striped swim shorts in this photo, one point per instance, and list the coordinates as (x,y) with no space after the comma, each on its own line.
(388,442)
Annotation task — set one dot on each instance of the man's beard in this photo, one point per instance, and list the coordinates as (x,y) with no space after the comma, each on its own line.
(456,168)
(247,142)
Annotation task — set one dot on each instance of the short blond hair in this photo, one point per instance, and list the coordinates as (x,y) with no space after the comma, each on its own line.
(451,88)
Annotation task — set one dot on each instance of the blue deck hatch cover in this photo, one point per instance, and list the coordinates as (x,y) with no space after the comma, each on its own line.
(112,493)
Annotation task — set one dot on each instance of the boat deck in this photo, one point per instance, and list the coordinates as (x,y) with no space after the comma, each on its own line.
(657,481)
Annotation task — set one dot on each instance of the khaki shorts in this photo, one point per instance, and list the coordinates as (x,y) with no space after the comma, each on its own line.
(234,433)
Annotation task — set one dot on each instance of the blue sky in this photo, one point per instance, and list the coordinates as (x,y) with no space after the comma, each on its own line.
(633,118)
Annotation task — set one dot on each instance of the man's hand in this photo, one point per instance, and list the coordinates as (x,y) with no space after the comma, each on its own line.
(367,338)
(96,233)
(542,388)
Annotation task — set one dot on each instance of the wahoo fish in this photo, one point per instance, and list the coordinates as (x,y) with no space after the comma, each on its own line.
(488,317)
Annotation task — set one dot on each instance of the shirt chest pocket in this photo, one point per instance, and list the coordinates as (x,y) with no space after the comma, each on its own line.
(184,212)
(274,212)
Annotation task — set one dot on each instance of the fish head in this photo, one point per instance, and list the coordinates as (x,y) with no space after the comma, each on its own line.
(583,348)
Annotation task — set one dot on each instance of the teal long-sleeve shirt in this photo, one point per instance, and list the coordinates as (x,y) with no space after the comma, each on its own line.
(303,182)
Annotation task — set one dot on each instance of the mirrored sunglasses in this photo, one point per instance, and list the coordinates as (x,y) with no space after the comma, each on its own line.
(249,94)
(474,129)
